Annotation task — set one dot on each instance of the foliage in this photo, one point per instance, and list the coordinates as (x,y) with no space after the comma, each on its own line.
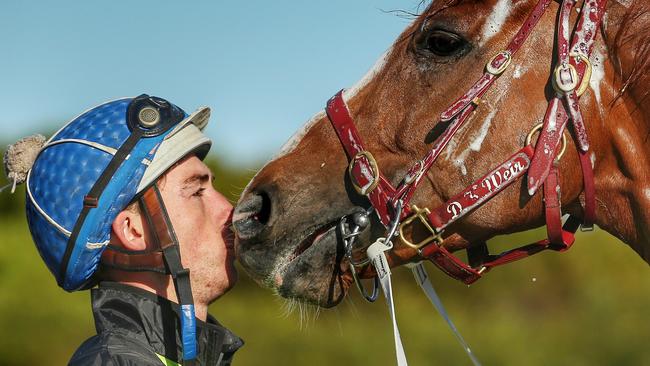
(586,307)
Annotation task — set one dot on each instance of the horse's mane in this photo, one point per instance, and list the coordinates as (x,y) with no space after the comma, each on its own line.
(633,37)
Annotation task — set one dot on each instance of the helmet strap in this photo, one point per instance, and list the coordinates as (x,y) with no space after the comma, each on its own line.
(163,234)
(165,259)
(150,260)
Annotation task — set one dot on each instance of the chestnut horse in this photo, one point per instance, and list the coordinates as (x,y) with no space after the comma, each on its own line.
(287,217)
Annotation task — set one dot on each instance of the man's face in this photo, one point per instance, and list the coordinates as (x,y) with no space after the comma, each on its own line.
(201,219)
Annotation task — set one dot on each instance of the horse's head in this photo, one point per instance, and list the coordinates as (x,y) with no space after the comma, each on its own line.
(288,215)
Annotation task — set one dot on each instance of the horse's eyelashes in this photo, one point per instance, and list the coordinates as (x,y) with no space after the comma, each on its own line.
(443,43)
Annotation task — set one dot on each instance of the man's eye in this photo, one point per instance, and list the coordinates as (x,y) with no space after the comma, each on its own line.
(199,193)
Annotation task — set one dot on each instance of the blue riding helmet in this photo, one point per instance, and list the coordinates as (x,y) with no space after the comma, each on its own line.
(93,167)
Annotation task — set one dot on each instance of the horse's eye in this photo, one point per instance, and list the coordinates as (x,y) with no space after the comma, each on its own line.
(443,43)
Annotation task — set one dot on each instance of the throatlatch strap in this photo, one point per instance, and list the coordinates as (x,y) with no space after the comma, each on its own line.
(553,206)
(163,232)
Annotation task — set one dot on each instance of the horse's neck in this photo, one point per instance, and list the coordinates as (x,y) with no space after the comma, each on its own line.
(623,156)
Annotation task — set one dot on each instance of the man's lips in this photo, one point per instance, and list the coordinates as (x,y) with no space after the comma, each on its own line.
(228,234)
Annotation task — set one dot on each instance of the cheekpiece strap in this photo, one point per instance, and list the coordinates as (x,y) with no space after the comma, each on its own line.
(363,170)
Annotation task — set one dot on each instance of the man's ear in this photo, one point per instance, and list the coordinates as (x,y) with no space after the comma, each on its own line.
(128,229)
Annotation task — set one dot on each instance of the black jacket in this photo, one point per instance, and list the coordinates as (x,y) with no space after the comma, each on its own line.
(136,327)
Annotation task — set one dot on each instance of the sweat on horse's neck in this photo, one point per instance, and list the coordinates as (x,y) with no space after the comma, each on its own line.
(623,153)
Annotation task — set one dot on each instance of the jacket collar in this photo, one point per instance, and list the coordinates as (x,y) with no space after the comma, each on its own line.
(145,317)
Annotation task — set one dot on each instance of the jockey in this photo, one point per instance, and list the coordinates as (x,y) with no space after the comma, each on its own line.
(119,200)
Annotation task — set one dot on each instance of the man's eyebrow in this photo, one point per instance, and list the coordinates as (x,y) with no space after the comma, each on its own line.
(196,178)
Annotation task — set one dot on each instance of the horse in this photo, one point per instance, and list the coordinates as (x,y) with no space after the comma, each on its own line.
(290,219)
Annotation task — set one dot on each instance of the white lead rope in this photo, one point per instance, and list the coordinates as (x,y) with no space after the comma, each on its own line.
(377,257)
(422,278)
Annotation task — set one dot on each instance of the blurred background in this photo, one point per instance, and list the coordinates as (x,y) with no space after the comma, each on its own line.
(265,68)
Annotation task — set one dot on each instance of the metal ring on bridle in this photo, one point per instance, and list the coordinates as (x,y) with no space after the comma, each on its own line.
(368,188)
(538,128)
(348,239)
(586,78)
(375,287)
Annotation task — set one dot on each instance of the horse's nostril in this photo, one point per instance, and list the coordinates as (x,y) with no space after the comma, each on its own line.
(252,214)
(264,214)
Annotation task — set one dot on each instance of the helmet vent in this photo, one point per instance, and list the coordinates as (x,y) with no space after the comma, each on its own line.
(148,117)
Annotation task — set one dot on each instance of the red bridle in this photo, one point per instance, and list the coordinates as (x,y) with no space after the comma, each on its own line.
(539,162)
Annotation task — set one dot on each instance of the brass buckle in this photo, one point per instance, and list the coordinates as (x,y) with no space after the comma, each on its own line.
(561,86)
(499,70)
(367,189)
(538,128)
(419,214)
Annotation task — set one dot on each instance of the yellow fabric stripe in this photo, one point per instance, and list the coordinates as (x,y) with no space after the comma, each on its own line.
(166,361)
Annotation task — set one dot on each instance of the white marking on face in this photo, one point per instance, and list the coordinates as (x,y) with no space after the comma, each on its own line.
(597,75)
(496,20)
(625,3)
(593,160)
(476,143)
(519,71)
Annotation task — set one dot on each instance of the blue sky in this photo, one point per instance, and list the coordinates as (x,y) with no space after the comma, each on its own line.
(264,67)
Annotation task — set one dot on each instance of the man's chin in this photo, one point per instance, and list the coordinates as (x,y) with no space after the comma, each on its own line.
(226,282)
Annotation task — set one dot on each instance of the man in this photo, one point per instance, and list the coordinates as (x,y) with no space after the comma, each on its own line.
(119,198)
